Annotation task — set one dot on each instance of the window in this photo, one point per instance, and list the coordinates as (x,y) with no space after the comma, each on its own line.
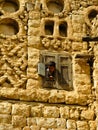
(63,29)
(57,70)
(49,27)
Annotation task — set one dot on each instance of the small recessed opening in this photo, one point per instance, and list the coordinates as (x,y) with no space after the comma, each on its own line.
(63,29)
(1,13)
(9,6)
(49,26)
(56,6)
(8,81)
(9,27)
(92,14)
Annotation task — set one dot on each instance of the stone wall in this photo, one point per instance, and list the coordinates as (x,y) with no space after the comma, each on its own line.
(29,27)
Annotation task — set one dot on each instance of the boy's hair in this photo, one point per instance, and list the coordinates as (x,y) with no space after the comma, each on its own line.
(51,63)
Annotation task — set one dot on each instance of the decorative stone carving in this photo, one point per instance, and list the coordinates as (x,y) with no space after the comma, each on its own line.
(46,42)
(13,64)
(57,44)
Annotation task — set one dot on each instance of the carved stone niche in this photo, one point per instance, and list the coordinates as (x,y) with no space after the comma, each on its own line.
(49,27)
(63,29)
(9,27)
(9,6)
(90,15)
(55,6)
(54,27)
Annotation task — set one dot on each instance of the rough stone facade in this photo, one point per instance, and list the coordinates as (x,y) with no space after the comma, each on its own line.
(30,27)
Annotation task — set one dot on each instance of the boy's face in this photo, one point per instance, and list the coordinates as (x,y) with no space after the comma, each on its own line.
(51,69)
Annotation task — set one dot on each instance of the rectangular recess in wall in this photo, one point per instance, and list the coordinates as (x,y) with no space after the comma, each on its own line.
(63,70)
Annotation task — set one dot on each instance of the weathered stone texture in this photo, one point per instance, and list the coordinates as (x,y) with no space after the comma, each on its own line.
(71,124)
(5,119)
(5,108)
(18,121)
(82,125)
(37,116)
(88,115)
(22,110)
(51,112)
(28,27)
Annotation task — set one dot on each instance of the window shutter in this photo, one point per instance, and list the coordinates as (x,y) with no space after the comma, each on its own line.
(41,69)
(64,72)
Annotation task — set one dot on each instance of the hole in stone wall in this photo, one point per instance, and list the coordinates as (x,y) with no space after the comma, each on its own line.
(56,6)
(49,25)
(92,14)
(8,81)
(9,6)
(91,62)
(9,27)
(63,29)
(1,13)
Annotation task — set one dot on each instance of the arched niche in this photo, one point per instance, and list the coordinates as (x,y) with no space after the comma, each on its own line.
(9,27)
(55,6)
(9,6)
(92,14)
